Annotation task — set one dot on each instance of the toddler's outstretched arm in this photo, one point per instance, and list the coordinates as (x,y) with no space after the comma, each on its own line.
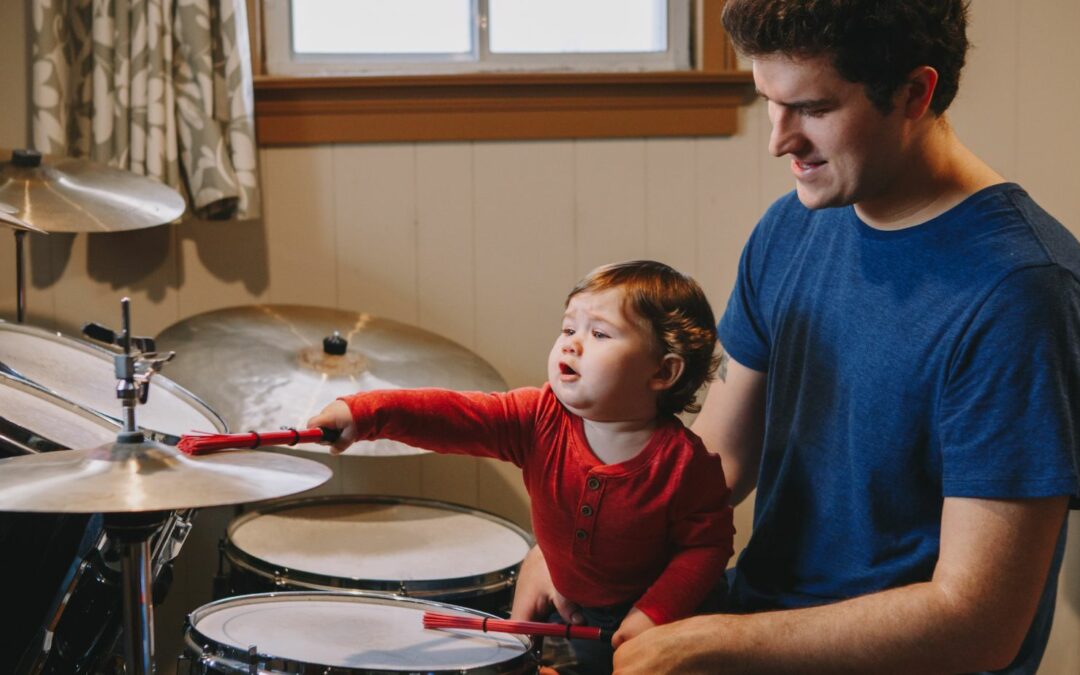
(336,416)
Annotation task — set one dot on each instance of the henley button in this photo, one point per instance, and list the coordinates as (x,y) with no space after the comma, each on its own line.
(586,510)
(593,483)
(581,534)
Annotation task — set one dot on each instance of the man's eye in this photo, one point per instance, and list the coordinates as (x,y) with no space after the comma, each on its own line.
(818,112)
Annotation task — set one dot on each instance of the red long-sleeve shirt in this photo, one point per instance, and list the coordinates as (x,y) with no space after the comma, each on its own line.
(655,529)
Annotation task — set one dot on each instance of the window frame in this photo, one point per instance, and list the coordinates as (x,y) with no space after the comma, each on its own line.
(505,106)
(282,61)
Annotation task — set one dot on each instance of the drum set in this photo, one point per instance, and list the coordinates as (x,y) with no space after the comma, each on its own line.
(96,502)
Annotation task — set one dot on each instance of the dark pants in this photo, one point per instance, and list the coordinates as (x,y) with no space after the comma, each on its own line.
(593,657)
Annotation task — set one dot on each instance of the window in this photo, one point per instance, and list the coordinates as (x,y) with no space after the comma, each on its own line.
(401,37)
(324,105)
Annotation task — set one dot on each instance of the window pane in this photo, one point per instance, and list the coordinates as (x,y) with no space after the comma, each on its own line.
(382,26)
(561,26)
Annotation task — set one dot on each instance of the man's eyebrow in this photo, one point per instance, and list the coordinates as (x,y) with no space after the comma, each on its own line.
(808,104)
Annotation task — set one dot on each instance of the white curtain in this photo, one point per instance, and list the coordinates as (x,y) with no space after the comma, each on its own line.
(161,88)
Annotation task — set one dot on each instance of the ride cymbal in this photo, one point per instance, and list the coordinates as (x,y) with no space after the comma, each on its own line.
(268,366)
(64,194)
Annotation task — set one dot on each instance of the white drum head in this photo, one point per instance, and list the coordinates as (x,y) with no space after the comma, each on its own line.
(380,539)
(84,374)
(351,631)
(51,419)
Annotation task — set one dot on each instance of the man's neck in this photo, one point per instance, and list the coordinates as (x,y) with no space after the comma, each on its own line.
(618,441)
(938,173)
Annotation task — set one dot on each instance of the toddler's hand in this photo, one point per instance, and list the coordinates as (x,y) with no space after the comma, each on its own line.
(635,623)
(336,416)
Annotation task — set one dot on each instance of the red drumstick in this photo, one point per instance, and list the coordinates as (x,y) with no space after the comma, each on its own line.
(437,620)
(201,443)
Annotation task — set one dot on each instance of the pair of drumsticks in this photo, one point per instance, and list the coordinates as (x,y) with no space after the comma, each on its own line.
(203,443)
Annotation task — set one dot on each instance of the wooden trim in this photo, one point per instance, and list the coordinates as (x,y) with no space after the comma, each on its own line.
(504,106)
(497,106)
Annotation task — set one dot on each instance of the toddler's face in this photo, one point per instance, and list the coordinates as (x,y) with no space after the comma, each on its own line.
(604,359)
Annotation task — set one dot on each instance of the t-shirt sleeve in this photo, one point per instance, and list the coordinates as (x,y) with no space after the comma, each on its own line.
(498,425)
(742,330)
(1011,403)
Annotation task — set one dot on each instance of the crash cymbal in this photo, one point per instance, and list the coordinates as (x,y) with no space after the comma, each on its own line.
(64,194)
(147,476)
(267,366)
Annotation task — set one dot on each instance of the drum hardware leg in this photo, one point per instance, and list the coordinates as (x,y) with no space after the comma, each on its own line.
(222,585)
(132,532)
(20,277)
(253,660)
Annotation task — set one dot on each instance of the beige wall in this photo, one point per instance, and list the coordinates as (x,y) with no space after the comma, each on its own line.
(481,241)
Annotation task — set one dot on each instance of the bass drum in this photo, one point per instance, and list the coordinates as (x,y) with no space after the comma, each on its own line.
(418,548)
(344,634)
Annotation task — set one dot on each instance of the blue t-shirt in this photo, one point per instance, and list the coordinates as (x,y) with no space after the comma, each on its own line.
(902,367)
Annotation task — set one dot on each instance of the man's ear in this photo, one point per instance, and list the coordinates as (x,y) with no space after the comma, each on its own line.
(918,91)
(671,369)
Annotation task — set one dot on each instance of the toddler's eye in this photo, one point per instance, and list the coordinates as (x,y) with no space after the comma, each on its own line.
(567,331)
(599,335)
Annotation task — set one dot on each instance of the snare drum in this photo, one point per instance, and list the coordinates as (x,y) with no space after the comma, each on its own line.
(84,374)
(343,633)
(411,547)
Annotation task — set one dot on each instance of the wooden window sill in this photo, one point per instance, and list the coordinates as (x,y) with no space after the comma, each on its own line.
(497,106)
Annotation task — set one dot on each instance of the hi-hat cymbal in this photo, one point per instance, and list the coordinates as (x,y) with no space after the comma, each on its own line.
(266,366)
(139,477)
(64,194)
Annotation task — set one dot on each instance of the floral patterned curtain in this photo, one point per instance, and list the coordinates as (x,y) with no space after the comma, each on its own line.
(161,88)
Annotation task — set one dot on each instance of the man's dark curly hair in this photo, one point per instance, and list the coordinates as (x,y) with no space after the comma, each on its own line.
(873,42)
(677,312)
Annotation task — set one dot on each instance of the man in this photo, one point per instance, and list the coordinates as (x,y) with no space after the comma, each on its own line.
(901,378)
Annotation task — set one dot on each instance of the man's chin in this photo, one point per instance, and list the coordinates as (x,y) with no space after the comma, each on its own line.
(817,199)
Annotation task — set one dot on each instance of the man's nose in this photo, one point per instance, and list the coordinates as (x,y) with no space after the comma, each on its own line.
(786,136)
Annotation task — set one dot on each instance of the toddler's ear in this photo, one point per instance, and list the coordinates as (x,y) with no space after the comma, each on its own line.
(671,369)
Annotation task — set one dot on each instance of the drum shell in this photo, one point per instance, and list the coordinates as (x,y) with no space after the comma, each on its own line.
(208,656)
(490,591)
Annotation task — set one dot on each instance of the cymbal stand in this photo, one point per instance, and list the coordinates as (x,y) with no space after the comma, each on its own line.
(132,531)
(20,277)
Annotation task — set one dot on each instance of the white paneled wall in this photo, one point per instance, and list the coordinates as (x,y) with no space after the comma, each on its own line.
(480,242)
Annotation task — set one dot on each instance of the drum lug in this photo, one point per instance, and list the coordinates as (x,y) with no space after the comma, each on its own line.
(253,660)
(279,581)
(402,590)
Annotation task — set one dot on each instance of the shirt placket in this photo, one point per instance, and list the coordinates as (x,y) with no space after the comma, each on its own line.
(588,506)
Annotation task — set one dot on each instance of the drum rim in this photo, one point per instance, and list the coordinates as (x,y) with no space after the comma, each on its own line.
(92,349)
(20,437)
(445,588)
(201,644)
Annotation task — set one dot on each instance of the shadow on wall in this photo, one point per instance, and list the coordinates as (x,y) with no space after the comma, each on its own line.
(151,261)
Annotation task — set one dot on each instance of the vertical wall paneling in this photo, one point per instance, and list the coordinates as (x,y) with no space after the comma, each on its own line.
(375,211)
(445,253)
(524,201)
(298,200)
(671,202)
(984,113)
(221,264)
(445,247)
(1049,90)
(727,198)
(609,202)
